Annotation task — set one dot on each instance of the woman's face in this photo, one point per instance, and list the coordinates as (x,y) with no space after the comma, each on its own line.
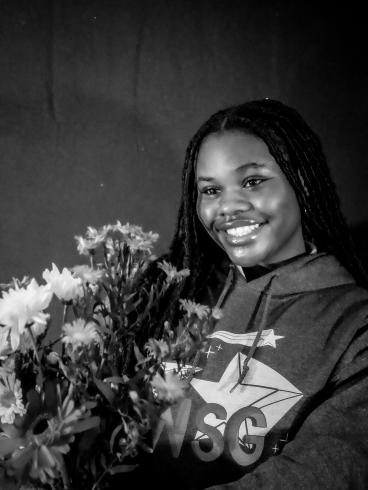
(245,201)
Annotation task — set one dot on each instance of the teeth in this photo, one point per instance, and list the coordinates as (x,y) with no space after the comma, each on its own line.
(242,230)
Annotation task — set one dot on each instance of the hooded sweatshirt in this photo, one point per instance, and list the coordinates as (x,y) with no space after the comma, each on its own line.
(279,398)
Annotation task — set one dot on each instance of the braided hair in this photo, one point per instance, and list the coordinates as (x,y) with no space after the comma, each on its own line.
(298,152)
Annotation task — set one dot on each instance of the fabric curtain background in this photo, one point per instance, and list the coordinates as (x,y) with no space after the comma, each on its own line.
(98,100)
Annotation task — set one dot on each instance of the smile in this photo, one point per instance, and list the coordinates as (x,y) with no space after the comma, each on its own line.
(241,231)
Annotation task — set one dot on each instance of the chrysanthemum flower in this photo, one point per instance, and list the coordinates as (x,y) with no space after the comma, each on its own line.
(79,333)
(44,452)
(49,447)
(87,274)
(157,348)
(136,238)
(11,403)
(173,275)
(84,246)
(63,284)
(93,239)
(22,306)
(97,235)
(192,308)
(169,389)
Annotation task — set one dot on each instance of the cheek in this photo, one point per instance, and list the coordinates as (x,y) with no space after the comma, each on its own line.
(283,205)
(204,212)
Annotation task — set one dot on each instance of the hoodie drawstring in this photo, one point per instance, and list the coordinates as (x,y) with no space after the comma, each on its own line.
(225,290)
(245,367)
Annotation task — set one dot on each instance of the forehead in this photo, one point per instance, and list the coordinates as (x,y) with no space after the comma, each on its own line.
(230,150)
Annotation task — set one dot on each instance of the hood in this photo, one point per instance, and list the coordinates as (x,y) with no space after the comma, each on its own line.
(301,274)
(305,273)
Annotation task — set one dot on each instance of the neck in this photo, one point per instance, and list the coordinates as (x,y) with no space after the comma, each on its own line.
(259,270)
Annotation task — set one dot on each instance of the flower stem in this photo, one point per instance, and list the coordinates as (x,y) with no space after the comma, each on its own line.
(65,312)
(33,341)
(103,474)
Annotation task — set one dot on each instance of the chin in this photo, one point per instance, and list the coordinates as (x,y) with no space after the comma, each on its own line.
(244,261)
(245,256)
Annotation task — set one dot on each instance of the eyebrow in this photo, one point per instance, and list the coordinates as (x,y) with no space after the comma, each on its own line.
(240,169)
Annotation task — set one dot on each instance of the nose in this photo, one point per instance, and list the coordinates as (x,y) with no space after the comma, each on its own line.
(233,203)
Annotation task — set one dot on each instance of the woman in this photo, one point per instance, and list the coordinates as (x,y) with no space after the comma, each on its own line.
(279,398)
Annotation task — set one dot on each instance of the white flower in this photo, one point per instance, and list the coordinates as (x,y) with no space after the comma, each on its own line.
(63,284)
(135,237)
(157,348)
(93,239)
(171,271)
(87,274)
(11,403)
(22,306)
(53,357)
(97,236)
(169,389)
(84,246)
(80,333)
(192,308)
(126,229)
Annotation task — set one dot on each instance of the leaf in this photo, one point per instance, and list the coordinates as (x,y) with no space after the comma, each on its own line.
(90,404)
(8,445)
(34,403)
(122,468)
(105,390)
(86,424)
(115,432)
(86,441)
(117,379)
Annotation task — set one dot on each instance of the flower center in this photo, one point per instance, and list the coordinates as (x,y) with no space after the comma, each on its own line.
(7,399)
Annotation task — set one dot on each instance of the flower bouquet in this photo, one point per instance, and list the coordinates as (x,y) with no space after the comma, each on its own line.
(77,409)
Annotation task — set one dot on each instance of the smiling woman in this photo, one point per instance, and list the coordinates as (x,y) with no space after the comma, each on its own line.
(282,378)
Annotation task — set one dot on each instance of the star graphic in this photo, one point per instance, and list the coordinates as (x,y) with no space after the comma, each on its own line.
(270,338)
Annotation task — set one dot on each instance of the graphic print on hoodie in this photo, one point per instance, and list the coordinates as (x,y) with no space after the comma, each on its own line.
(234,417)
(223,429)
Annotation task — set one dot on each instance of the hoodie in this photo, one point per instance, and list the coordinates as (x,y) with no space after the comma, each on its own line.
(279,399)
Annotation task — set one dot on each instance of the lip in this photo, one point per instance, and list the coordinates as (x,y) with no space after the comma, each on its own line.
(228,225)
(238,240)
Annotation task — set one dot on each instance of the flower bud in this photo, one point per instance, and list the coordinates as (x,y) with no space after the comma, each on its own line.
(53,357)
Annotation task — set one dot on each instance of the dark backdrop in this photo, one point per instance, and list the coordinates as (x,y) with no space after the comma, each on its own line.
(98,100)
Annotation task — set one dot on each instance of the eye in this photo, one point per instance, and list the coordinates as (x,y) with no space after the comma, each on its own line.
(209,191)
(253,181)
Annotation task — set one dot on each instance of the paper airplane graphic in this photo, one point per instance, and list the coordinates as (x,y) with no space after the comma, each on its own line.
(263,388)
